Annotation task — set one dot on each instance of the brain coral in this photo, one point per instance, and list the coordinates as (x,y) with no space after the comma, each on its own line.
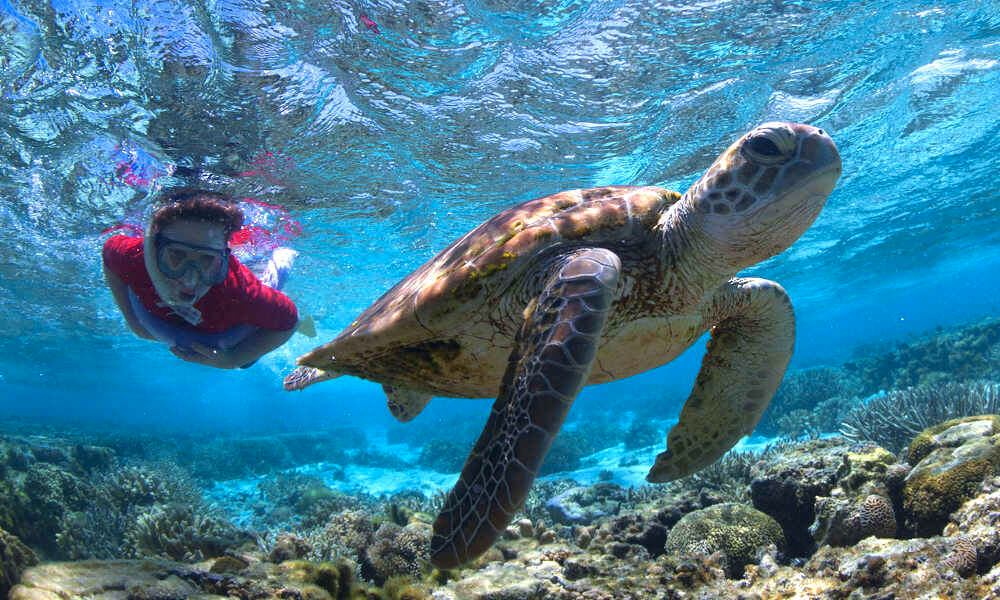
(843,520)
(738,531)
(876,517)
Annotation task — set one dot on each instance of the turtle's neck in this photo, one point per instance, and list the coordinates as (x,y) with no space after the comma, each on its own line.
(695,262)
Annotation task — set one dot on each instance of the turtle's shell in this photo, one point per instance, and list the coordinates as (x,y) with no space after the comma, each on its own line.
(449,304)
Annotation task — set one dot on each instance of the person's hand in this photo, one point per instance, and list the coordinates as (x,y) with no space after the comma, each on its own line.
(206,355)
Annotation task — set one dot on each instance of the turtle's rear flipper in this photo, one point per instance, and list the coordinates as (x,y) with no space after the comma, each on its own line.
(753,336)
(404,403)
(554,351)
(303,377)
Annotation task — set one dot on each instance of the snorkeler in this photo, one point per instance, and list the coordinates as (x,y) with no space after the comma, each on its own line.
(182,286)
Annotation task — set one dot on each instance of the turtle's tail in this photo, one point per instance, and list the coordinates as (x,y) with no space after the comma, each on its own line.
(303,377)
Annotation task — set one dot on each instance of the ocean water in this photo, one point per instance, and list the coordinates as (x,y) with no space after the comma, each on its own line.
(388,129)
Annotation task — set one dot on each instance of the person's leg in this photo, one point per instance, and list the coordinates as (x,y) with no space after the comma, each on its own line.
(275,270)
(274,273)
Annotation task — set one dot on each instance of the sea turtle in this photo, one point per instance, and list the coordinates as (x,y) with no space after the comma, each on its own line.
(589,286)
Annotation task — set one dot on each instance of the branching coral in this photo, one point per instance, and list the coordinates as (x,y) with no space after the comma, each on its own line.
(97,532)
(396,551)
(35,511)
(894,418)
(730,475)
(179,532)
(114,503)
(147,485)
(347,533)
(793,409)
(14,558)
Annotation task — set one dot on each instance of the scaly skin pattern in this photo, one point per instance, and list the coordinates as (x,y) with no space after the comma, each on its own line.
(555,350)
(588,286)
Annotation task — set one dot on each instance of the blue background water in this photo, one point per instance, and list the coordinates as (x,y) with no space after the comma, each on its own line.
(391,145)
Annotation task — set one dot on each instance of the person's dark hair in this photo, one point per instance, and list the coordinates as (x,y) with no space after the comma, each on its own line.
(196,205)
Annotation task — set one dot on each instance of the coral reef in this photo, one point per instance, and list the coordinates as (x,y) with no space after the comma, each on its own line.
(736,531)
(444,455)
(116,501)
(396,551)
(864,500)
(807,401)
(178,532)
(97,532)
(786,487)
(583,505)
(939,357)
(954,459)
(235,456)
(976,525)
(836,502)
(149,579)
(844,521)
(892,419)
(460,428)
(874,568)
(87,458)
(642,433)
(731,475)
(291,499)
(35,501)
(288,546)
(145,485)
(15,557)
(577,441)
(538,496)
(830,518)
(382,551)
(347,533)
(627,535)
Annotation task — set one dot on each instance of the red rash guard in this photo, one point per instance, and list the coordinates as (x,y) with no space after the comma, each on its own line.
(240,299)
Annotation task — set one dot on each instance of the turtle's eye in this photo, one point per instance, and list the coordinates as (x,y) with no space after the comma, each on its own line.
(768,146)
(763,146)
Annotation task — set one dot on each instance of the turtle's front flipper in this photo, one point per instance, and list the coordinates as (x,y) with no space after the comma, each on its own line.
(303,377)
(752,341)
(553,353)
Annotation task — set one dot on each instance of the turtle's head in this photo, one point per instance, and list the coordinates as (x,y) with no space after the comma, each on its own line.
(765,191)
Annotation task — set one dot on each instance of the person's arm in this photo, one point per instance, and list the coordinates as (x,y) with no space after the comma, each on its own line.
(255,345)
(259,343)
(120,293)
(273,314)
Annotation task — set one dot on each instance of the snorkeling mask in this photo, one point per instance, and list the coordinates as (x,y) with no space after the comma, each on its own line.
(176,258)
